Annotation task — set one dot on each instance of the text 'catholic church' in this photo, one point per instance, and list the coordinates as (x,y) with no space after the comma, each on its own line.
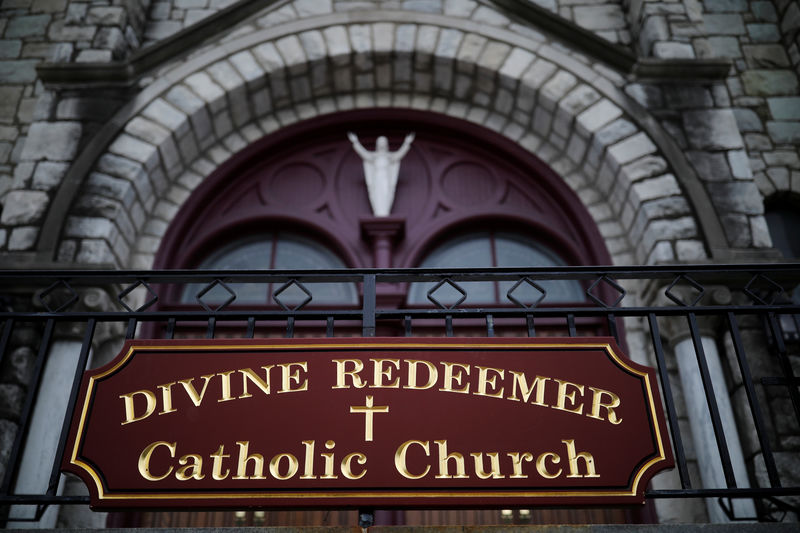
(613,169)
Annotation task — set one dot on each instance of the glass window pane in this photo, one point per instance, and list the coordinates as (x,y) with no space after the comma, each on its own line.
(470,251)
(511,250)
(473,250)
(249,254)
(296,252)
(299,253)
(245,255)
(292,252)
(516,250)
(783,222)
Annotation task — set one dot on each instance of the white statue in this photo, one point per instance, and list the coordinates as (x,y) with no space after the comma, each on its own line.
(381,169)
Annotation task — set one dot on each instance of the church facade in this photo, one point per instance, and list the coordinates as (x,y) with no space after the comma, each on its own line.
(140,135)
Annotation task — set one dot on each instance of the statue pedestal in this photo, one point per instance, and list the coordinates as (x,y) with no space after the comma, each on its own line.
(382,233)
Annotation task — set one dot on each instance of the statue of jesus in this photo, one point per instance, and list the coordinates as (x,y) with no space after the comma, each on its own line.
(381,169)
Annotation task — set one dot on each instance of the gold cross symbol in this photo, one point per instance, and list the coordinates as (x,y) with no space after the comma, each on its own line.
(369,410)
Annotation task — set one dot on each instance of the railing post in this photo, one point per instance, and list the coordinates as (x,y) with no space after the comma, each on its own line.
(711,418)
(46,415)
(368,310)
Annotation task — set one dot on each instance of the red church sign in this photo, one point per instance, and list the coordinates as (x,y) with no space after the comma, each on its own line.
(368,423)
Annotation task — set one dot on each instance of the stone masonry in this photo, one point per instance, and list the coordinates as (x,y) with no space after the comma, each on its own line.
(36,31)
(770,148)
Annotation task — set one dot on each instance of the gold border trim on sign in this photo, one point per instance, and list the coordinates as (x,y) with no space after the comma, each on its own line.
(372,494)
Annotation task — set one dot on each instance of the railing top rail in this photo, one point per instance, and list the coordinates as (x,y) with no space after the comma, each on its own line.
(719,272)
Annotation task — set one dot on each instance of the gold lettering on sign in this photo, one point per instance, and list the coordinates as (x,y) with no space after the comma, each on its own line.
(400,459)
(225,386)
(537,386)
(347,467)
(342,373)
(516,463)
(244,458)
(147,454)
(329,461)
(563,396)
(308,473)
(249,375)
(166,398)
(494,460)
(412,460)
(444,462)
(380,373)
(216,469)
(408,374)
(452,464)
(275,466)
(541,465)
(452,376)
(433,374)
(288,377)
(140,404)
(573,457)
(597,404)
(130,412)
(190,471)
(484,381)
(197,398)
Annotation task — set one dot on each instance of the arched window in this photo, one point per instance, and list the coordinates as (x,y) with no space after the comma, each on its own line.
(307,179)
(278,250)
(783,221)
(495,249)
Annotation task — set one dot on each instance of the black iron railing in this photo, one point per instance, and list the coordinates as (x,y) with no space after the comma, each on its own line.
(737,303)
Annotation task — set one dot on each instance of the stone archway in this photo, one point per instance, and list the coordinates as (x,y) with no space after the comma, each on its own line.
(202,111)
(456,176)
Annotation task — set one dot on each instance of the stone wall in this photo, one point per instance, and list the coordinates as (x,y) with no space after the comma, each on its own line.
(663,28)
(764,89)
(32,32)
(607,19)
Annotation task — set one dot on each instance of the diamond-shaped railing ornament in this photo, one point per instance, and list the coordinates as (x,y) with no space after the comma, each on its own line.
(772,290)
(611,283)
(289,285)
(680,280)
(58,296)
(128,290)
(450,283)
(208,288)
(535,286)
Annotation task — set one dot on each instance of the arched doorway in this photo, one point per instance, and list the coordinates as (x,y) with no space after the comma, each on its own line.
(303,187)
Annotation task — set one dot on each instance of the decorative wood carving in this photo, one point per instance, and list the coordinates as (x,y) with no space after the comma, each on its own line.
(456,177)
